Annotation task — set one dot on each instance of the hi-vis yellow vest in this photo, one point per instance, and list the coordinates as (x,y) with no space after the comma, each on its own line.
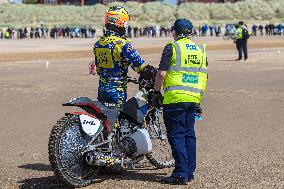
(185,81)
(240,33)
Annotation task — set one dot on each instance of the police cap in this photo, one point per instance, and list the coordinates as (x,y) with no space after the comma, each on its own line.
(182,26)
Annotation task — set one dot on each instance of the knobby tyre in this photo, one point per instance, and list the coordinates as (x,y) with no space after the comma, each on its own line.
(161,155)
(64,148)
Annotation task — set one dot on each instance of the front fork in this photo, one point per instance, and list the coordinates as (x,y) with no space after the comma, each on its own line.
(154,122)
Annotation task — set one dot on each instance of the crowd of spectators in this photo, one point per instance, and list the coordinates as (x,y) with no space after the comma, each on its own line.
(207,30)
(77,32)
(256,30)
(54,32)
(269,29)
(149,31)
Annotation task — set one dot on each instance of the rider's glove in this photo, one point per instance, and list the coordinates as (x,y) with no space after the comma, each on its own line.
(92,68)
(157,99)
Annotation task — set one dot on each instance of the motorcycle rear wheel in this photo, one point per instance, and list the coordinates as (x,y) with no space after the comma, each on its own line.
(161,156)
(64,148)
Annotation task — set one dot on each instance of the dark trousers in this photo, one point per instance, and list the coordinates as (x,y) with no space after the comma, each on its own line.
(179,120)
(242,47)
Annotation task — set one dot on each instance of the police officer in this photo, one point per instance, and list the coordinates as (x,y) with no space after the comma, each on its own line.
(241,40)
(183,74)
(113,55)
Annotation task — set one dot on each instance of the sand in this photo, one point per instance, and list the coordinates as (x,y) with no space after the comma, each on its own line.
(239,142)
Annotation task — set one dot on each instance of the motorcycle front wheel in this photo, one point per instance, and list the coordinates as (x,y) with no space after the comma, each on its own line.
(161,155)
(65,145)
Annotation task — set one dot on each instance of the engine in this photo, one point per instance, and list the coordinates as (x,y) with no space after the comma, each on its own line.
(133,143)
(137,144)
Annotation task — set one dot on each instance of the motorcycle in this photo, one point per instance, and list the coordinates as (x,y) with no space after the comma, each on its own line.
(83,143)
(228,36)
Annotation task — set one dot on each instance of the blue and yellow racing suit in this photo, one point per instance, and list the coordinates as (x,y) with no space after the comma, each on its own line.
(113,55)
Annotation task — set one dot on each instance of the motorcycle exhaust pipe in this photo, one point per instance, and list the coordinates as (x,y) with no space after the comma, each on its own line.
(99,159)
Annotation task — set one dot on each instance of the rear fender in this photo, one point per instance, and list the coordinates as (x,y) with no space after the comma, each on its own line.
(88,105)
(92,111)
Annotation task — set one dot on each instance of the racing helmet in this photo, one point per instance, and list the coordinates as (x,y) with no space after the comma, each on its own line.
(183,27)
(116,18)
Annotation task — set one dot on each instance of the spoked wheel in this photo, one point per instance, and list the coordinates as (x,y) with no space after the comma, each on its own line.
(65,146)
(161,156)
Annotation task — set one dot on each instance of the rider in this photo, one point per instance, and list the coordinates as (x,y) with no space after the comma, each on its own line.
(113,55)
